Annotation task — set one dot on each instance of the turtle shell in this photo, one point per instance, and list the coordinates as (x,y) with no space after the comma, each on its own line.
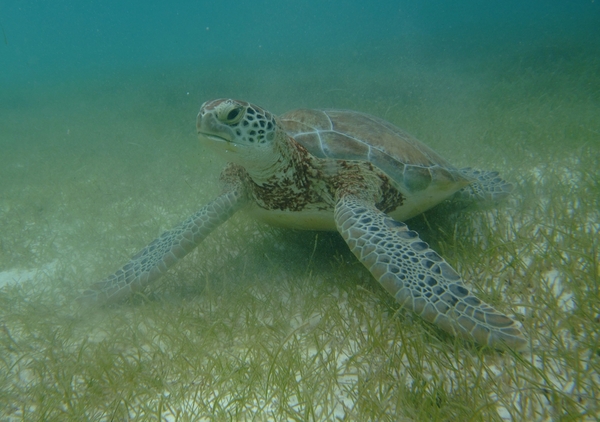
(350,135)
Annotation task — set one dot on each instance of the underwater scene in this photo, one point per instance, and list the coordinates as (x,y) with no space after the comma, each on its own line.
(99,155)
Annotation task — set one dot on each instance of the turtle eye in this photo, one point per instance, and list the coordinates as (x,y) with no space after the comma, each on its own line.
(233,116)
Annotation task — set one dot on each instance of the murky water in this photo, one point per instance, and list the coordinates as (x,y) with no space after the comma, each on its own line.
(98,155)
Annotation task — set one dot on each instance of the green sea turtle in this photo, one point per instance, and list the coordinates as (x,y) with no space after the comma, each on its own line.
(336,170)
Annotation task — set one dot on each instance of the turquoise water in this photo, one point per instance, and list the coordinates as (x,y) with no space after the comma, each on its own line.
(50,43)
(99,155)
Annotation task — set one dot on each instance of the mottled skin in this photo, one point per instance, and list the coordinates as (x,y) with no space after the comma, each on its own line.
(344,171)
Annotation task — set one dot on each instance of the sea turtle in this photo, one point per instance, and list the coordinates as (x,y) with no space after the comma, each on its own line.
(336,170)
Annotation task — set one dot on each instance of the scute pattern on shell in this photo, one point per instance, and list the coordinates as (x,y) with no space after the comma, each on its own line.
(350,135)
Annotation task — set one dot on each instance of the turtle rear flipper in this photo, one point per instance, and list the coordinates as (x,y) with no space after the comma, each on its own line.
(487,187)
(419,278)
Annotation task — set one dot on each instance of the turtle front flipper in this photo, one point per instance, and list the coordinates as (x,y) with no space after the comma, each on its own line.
(419,278)
(152,261)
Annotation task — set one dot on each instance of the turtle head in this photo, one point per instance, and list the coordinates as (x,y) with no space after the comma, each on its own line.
(242,132)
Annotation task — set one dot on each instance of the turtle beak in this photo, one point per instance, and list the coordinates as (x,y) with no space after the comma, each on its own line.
(210,129)
(217,142)
(214,134)
(211,137)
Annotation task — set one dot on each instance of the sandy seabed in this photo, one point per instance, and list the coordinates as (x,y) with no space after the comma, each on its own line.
(271,324)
